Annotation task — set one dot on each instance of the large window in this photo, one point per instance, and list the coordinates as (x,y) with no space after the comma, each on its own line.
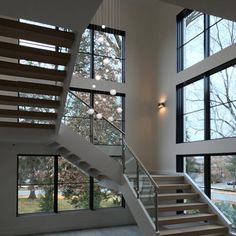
(48,184)
(216,175)
(206,106)
(101,54)
(201,35)
(98,131)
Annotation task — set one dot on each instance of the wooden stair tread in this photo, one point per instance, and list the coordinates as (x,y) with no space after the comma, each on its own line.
(27,114)
(14,69)
(181,206)
(19,30)
(168,177)
(175,196)
(178,219)
(19,86)
(33,54)
(174,186)
(4,124)
(22,101)
(197,230)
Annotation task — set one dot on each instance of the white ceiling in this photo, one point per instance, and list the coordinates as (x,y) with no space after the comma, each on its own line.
(69,14)
(222,8)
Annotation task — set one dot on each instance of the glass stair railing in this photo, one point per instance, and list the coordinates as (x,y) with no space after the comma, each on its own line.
(111,140)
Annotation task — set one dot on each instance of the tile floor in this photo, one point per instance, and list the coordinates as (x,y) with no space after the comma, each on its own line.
(113,231)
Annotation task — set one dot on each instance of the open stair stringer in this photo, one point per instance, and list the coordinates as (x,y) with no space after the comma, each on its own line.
(137,209)
(87,157)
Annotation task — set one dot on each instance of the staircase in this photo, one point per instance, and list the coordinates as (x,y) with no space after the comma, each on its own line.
(30,95)
(182,211)
(160,204)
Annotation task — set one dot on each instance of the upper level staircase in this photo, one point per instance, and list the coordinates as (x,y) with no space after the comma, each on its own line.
(30,93)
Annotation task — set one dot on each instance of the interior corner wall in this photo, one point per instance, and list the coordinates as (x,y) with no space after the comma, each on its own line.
(166,74)
(12,225)
(136,18)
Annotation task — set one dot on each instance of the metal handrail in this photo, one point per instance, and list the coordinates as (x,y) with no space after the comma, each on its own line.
(121,131)
(134,155)
(139,163)
(142,166)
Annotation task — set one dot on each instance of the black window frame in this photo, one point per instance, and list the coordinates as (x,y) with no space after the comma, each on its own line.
(94,92)
(180,36)
(55,183)
(207,117)
(207,168)
(92,54)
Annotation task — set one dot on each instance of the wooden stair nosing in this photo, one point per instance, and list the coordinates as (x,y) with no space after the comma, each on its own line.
(34,72)
(28,87)
(179,219)
(19,30)
(177,196)
(4,124)
(23,101)
(27,114)
(174,186)
(197,230)
(182,206)
(33,54)
(167,177)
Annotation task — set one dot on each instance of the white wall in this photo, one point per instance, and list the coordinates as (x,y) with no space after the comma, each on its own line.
(11,225)
(140,87)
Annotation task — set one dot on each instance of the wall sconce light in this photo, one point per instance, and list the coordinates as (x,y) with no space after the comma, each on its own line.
(161,105)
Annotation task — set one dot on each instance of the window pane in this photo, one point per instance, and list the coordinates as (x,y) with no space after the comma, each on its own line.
(107,105)
(223,182)
(194,51)
(193,25)
(85,42)
(214,20)
(194,126)
(82,65)
(106,44)
(104,197)
(79,125)
(194,97)
(35,184)
(75,107)
(194,167)
(108,68)
(73,187)
(223,121)
(222,35)
(106,134)
(223,86)
(84,96)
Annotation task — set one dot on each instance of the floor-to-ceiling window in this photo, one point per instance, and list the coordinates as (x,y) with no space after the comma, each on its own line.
(206,105)
(101,54)
(215,174)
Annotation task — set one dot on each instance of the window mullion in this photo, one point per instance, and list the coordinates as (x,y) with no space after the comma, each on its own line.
(180,41)
(179,115)
(207,112)
(92,54)
(206,35)
(55,184)
(91,193)
(207,175)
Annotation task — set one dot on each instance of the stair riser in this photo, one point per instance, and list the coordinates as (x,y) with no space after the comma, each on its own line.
(187,220)
(180,208)
(205,232)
